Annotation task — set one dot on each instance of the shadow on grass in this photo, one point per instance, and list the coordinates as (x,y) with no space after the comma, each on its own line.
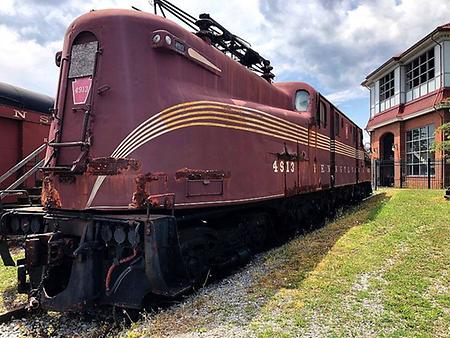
(291,263)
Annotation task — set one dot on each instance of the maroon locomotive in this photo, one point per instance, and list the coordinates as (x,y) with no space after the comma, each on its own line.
(24,125)
(167,159)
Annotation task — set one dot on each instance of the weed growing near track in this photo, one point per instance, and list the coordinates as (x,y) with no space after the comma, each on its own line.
(8,285)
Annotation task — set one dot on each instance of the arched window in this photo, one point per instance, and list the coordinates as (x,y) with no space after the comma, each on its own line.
(83,55)
(301,100)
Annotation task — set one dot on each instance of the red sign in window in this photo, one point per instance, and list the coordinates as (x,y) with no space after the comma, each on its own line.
(80,89)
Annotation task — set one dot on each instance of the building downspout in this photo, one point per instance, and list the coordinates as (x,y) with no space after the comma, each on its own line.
(441,114)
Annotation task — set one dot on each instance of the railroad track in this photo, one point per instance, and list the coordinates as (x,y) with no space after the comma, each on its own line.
(20,322)
(18,312)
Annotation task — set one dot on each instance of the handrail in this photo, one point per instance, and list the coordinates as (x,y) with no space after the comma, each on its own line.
(19,165)
(14,192)
(22,179)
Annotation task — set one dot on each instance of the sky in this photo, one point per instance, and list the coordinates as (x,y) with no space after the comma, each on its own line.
(330,44)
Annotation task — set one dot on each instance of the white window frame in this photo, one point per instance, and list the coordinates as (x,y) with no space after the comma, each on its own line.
(387,86)
(418,143)
(420,74)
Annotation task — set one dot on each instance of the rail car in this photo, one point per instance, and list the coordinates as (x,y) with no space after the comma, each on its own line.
(168,159)
(24,125)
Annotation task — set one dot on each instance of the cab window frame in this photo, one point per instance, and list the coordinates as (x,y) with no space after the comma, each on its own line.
(337,122)
(308,100)
(321,114)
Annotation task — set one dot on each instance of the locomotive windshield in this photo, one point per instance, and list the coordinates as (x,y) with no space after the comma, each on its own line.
(82,59)
(301,100)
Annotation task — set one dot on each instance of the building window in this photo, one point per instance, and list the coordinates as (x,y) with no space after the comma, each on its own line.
(387,86)
(301,100)
(420,70)
(418,150)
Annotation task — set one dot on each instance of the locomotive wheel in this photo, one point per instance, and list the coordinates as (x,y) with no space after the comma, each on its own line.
(257,239)
(198,248)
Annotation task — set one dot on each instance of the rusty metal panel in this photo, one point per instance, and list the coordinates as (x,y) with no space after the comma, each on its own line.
(111,166)
(204,187)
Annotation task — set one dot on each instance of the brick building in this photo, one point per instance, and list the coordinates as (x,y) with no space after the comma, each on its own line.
(409,100)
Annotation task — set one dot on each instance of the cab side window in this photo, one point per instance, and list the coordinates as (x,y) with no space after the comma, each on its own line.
(336,124)
(301,100)
(322,115)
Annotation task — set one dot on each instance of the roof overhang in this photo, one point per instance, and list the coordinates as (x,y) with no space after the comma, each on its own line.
(399,118)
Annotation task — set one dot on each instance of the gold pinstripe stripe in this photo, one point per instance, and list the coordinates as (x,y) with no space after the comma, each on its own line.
(164,115)
(322,136)
(323,143)
(338,150)
(155,117)
(211,114)
(345,145)
(344,149)
(200,121)
(353,150)
(349,153)
(170,117)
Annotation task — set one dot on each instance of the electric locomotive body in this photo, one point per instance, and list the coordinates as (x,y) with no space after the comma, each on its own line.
(157,136)
(178,114)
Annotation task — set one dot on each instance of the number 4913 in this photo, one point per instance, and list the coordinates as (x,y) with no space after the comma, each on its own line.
(283,166)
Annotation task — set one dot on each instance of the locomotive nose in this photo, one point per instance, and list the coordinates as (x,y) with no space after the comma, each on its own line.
(74,110)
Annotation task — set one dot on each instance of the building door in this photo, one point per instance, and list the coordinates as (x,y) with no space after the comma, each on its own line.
(386,161)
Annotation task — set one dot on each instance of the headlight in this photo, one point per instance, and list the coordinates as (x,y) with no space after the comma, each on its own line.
(156,38)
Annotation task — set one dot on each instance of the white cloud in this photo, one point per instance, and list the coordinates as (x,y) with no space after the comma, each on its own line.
(338,43)
(334,44)
(345,95)
(26,63)
(7,7)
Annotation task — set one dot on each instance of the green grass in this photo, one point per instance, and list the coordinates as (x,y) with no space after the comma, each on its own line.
(8,285)
(382,270)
